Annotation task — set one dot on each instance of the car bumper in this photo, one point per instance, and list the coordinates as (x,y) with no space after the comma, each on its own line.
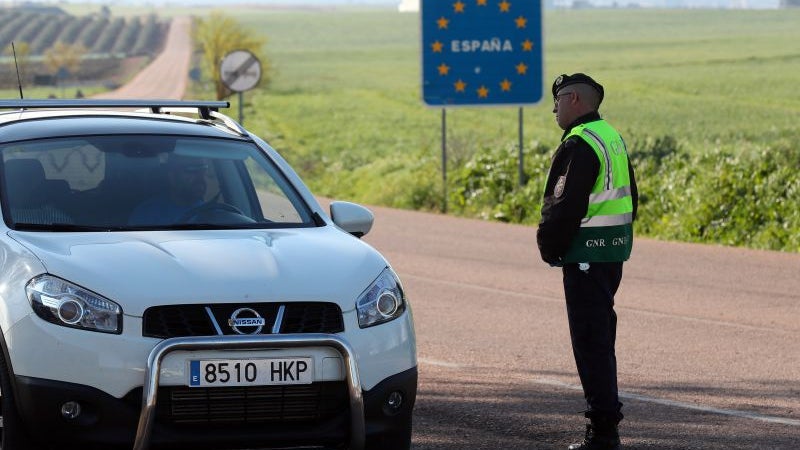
(105,374)
(109,422)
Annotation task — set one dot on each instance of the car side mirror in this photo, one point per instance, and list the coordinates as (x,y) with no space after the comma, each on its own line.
(355,219)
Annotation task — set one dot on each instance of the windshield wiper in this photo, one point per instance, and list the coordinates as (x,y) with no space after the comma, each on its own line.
(24,226)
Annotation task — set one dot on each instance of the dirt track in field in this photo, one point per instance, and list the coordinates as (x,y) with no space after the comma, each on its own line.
(167,76)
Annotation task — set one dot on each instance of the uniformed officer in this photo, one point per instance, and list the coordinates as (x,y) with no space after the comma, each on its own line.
(589,204)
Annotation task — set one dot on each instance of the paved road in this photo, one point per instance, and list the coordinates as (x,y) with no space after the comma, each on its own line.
(707,340)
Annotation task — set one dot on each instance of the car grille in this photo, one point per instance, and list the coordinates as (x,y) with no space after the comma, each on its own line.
(196,320)
(294,403)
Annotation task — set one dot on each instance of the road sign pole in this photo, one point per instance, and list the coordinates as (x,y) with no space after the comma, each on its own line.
(477,54)
(444,160)
(241,108)
(522,178)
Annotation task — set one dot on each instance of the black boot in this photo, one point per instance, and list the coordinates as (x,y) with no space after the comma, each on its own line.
(599,436)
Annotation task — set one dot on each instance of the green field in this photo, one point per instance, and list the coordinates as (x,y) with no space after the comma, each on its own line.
(705,98)
(699,75)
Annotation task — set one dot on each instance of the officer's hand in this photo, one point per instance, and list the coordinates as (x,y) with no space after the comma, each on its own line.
(554,261)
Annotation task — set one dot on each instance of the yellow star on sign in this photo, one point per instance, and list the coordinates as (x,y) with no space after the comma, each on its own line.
(442,23)
(460,85)
(444,69)
(437,47)
(527,46)
(459,6)
(481,2)
(522,69)
(505,6)
(483,92)
(505,85)
(521,22)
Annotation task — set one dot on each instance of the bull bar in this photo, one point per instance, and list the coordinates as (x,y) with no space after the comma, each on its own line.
(261,342)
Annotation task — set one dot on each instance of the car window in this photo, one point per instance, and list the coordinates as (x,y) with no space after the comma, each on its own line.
(145,182)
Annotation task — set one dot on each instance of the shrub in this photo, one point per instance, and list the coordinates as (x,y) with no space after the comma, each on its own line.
(488,184)
(746,197)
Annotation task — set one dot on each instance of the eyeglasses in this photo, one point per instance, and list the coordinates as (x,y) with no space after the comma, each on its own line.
(557,96)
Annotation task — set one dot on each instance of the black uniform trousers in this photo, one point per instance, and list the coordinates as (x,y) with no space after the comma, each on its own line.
(593,329)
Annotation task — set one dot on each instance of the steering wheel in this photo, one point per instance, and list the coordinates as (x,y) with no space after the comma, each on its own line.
(195,213)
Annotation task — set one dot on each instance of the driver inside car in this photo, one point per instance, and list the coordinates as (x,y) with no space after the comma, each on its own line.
(186,190)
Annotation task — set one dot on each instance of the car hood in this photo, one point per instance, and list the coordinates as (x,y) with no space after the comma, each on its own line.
(141,269)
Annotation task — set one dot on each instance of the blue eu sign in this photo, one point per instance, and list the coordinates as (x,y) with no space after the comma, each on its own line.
(481,52)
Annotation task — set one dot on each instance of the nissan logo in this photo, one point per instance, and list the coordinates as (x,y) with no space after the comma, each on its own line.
(246,321)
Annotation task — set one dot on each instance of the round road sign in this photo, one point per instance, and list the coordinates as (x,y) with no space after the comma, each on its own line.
(240,70)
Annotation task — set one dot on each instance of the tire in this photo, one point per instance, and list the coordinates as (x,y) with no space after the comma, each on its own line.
(13,435)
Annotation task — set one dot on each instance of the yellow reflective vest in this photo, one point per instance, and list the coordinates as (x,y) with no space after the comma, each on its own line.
(606,232)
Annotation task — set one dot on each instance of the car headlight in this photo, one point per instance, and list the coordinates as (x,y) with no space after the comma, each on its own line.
(382,301)
(63,303)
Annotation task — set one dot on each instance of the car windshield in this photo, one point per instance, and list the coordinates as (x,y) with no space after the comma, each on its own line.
(130,182)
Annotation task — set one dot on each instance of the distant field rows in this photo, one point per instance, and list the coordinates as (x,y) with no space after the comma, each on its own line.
(96,33)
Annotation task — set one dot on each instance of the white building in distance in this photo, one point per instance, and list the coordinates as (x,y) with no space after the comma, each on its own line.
(408,6)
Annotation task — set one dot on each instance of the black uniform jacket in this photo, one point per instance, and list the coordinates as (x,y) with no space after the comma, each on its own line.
(577,162)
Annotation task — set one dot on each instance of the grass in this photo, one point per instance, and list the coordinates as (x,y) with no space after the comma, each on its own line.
(344,103)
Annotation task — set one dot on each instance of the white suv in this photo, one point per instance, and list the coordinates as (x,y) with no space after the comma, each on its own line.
(168,281)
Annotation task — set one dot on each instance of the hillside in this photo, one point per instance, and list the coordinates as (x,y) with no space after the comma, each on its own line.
(105,42)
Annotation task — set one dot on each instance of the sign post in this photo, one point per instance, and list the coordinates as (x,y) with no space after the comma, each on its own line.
(482,53)
(240,71)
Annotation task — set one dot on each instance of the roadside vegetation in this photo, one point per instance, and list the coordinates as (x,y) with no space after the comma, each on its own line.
(219,34)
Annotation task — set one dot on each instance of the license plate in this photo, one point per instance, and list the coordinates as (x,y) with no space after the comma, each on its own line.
(250,372)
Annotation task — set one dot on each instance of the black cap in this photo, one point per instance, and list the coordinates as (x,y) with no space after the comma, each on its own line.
(565,80)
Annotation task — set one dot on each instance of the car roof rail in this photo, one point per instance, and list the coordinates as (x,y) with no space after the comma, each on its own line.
(203,107)
(207,110)
(210,115)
